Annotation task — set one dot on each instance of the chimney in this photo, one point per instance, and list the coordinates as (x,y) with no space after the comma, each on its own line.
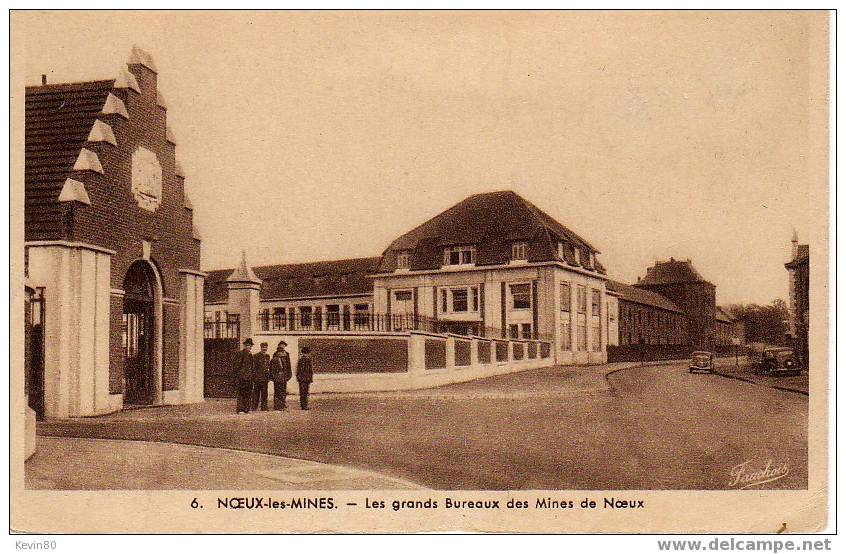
(43,79)
(794,250)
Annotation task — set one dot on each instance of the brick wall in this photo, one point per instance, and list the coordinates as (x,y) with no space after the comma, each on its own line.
(115,221)
(365,355)
(116,360)
(518,350)
(501,351)
(462,352)
(435,354)
(484,352)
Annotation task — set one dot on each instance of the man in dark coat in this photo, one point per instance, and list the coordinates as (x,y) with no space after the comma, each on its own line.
(261,376)
(305,375)
(280,372)
(243,370)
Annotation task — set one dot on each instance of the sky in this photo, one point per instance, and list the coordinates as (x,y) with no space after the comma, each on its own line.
(324,135)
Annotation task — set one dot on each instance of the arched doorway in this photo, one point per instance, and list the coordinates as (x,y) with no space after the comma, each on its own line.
(139,330)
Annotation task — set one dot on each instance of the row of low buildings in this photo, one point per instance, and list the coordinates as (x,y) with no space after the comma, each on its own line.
(494,265)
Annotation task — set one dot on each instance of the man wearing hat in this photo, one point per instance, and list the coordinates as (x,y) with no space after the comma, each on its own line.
(305,375)
(243,371)
(280,371)
(261,376)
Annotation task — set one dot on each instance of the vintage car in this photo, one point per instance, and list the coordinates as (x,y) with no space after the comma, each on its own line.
(701,360)
(779,361)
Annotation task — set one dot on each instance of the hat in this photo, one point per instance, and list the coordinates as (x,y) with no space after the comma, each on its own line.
(264,344)
(281,343)
(248,342)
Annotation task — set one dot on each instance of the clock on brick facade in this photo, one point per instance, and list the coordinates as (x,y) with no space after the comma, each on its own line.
(146,179)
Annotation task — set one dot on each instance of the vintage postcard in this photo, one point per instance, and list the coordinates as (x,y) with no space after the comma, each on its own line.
(337,271)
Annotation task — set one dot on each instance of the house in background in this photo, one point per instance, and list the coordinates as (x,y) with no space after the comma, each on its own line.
(798,269)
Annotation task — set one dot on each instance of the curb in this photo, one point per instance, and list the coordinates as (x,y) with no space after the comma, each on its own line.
(753,382)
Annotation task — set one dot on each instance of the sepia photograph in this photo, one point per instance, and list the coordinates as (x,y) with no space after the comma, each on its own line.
(478,271)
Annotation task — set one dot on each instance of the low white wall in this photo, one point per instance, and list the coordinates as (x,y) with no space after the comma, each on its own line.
(416,376)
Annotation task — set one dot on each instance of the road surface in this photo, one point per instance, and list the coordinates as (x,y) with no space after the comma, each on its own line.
(659,428)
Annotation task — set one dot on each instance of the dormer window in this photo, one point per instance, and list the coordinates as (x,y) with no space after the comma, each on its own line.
(578,256)
(460,255)
(403,259)
(519,251)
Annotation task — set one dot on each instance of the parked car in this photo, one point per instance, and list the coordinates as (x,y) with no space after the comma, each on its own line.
(779,361)
(700,360)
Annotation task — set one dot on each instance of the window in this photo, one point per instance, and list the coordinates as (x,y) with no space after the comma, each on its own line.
(514,331)
(264,319)
(278,318)
(402,295)
(403,259)
(520,297)
(459,255)
(459,300)
(581,337)
(566,250)
(518,251)
(578,252)
(361,315)
(527,330)
(596,339)
(305,316)
(475,297)
(565,297)
(581,297)
(566,339)
(611,315)
(444,307)
(594,302)
(333,316)
(319,279)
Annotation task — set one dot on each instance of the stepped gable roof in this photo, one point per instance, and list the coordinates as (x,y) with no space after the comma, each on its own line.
(58,123)
(642,296)
(490,221)
(303,280)
(672,272)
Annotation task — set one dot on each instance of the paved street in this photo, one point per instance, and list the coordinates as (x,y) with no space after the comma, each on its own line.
(657,428)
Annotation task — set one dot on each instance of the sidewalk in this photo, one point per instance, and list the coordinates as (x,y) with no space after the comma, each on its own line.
(743,372)
(101,464)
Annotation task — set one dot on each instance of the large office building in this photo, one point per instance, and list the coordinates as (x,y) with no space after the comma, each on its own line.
(493,265)
(114,290)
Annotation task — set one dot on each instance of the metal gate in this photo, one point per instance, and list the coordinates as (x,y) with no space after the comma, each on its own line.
(220,346)
(34,349)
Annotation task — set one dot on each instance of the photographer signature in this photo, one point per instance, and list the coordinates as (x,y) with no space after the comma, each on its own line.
(745,475)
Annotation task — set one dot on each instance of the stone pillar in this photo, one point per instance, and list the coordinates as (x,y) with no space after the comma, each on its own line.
(603,324)
(450,352)
(191,362)
(244,287)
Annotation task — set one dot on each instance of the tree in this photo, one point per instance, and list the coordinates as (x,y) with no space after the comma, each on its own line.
(767,324)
